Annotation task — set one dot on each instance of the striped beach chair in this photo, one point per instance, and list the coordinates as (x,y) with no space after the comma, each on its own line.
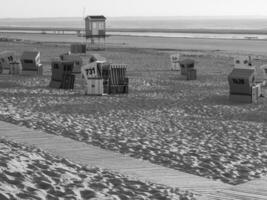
(117,74)
(62,77)
(118,82)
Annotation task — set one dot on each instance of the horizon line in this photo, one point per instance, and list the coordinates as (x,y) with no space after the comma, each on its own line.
(181,16)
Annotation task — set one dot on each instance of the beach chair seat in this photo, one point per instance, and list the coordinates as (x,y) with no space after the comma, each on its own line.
(117,74)
(76,59)
(15,68)
(68,81)
(6,60)
(191,74)
(185,65)
(31,63)
(62,76)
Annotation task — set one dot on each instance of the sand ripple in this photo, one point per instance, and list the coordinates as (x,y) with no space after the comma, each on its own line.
(29,173)
(190,126)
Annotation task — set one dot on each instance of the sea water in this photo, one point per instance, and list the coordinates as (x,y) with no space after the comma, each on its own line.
(163,23)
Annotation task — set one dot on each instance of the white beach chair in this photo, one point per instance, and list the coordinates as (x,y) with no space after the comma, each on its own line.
(261,74)
(241,62)
(175,58)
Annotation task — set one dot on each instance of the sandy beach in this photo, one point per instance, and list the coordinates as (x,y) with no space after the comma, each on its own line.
(30,173)
(185,125)
(133,100)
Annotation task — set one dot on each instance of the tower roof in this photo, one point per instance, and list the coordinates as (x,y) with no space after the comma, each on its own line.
(96,17)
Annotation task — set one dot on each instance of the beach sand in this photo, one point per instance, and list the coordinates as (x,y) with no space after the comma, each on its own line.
(185,125)
(29,173)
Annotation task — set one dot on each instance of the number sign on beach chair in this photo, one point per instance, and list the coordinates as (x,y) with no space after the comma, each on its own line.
(90,70)
(175,58)
(94,83)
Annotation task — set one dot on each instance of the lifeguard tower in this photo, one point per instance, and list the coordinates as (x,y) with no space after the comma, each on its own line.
(95,31)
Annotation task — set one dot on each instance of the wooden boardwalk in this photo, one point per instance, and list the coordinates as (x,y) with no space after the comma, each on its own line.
(252,190)
(93,156)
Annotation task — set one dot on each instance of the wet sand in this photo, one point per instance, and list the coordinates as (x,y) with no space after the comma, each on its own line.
(229,45)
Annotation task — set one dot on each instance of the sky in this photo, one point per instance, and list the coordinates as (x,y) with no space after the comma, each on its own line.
(115,8)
